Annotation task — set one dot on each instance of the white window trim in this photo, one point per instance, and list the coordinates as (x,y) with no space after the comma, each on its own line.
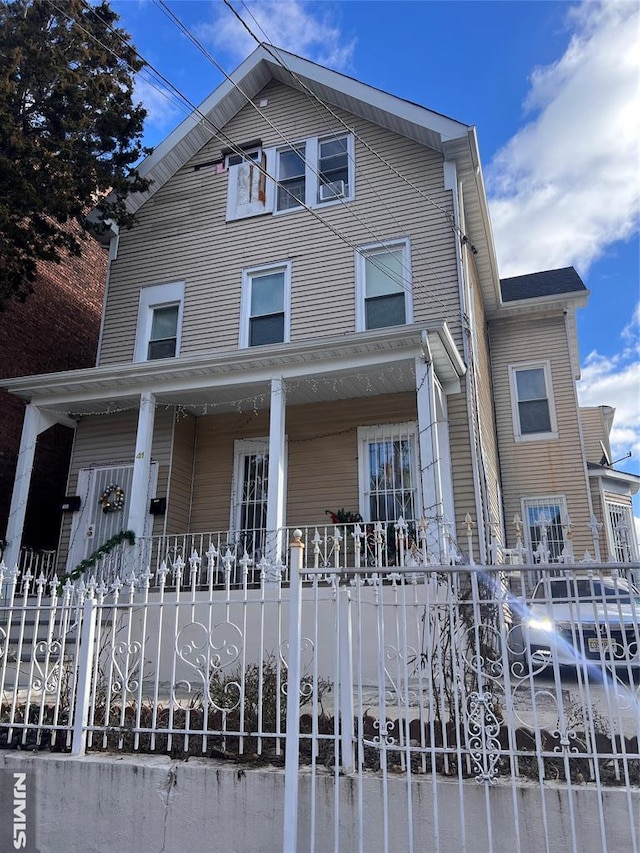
(515,414)
(362,252)
(383,432)
(245,308)
(152,297)
(560,500)
(312,172)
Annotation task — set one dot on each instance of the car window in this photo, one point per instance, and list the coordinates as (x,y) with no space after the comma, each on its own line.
(587,589)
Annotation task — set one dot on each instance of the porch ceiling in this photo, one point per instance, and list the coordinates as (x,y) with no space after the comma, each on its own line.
(358,365)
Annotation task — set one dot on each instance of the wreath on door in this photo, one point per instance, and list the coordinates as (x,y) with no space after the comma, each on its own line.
(112,499)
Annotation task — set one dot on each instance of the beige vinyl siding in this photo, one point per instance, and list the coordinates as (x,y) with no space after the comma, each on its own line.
(593,432)
(182,235)
(596,502)
(181,475)
(481,368)
(322,451)
(104,440)
(461,462)
(545,467)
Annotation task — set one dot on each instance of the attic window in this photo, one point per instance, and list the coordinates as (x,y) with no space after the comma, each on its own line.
(248,151)
(234,159)
(316,172)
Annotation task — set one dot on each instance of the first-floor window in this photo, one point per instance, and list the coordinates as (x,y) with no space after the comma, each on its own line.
(159,326)
(383,277)
(266,297)
(544,518)
(388,472)
(620,524)
(250,492)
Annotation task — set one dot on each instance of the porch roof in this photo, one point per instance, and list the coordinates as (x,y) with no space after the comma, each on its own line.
(345,366)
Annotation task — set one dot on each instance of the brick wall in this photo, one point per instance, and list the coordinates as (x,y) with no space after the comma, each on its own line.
(55,329)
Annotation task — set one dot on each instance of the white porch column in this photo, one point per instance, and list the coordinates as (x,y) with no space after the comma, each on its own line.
(35,422)
(277,462)
(138,507)
(429,455)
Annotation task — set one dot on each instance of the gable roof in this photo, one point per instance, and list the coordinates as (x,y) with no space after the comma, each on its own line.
(539,284)
(456,141)
(268,63)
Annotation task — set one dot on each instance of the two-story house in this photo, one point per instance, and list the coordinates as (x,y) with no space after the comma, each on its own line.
(308,316)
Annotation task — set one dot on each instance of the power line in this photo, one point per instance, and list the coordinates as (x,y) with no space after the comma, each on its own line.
(387,242)
(315,99)
(220,134)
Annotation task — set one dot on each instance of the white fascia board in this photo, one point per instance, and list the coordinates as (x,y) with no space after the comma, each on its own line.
(631,480)
(235,367)
(219,107)
(553,303)
(447,128)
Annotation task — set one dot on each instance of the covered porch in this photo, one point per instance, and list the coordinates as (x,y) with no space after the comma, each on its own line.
(250,442)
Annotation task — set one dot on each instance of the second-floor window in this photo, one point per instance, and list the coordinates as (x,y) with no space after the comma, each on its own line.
(533,410)
(383,285)
(265,305)
(159,327)
(163,339)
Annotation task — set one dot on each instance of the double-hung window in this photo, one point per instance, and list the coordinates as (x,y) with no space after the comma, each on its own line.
(532,401)
(265,305)
(333,169)
(159,325)
(291,192)
(383,283)
(388,472)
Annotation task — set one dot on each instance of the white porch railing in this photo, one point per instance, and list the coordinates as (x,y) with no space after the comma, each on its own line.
(416,673)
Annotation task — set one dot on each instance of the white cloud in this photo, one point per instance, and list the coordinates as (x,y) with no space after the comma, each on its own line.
(161,107)
(567,184)
(615,382)
(290,24)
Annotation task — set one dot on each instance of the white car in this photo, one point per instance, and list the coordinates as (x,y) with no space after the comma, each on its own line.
(577,621)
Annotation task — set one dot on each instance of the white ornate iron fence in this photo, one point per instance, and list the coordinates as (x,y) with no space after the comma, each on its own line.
(426,675)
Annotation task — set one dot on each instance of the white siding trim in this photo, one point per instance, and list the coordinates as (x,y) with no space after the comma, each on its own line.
(245,304)
(362,252)
(545,365)
(155,296)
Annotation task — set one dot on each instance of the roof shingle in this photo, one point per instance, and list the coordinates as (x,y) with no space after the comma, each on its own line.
(545,283)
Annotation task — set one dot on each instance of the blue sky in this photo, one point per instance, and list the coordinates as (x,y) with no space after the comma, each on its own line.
(553,89)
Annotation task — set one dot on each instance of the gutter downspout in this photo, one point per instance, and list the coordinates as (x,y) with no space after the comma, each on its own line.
(575,371)
(451,183)
(113,254)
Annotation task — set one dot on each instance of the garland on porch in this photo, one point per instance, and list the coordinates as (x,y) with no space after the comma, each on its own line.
(90,561)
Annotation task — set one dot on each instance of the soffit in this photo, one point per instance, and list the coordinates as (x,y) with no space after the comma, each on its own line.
(327,369)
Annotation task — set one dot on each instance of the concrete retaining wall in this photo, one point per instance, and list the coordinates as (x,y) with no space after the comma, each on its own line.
(152,804)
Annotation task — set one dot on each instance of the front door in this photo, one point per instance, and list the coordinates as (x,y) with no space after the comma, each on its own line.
(105,495)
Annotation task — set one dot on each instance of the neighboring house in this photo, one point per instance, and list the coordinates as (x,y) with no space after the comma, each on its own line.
(555,457)
(308,316)
(56,328)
